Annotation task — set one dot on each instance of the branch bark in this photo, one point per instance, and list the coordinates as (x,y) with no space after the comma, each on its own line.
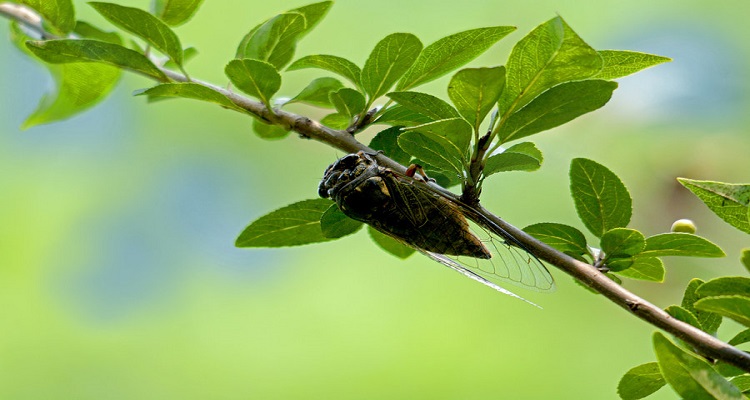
(704,343)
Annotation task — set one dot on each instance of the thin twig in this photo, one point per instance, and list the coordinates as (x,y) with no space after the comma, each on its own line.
(704,343)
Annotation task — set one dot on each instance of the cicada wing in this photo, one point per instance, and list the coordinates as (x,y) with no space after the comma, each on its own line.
(509,262)
(452,264)
(472,268)
(409,198)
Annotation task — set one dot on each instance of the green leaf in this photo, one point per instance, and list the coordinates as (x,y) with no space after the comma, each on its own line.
(65,51)
(425,104)
(709,321)
(435,150)
(390,244)
(336,121)
(562,237)
(456,130)
(619,242)
(275,40)
(640,381)
(387,142)
(683,315)
(57,14)
(726,285)
(269,131)
(522,156)
(619,63)
(335,64)
(442,144)
(731,202)
(175,12)
(451,52)
(256,78)
(88,31)
(78,86)
(745,258)
(734,307)
(144,25)
(388,62)
(680,244)
(600,197)
(742,383)
(474,92)
(317,92)
(293,225)
(348,101)
(642,268)
(313,14)
(443,178)
(399,115)
(727,370)
(689,375)
(555,107)
(740,338)
(271,32)
(189,90)
(549,55)
(335,224)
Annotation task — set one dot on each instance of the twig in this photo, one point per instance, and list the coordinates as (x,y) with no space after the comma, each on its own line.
(704,343)
(26,17)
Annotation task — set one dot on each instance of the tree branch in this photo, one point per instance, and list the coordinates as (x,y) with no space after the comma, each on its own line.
(704,343)
(26,17)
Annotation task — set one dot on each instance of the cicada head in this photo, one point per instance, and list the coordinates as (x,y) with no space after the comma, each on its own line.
(345,171)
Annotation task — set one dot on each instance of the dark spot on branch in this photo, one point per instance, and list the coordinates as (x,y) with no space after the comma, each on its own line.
(632,305)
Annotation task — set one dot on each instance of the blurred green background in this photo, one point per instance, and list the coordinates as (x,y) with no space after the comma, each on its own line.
(119,279)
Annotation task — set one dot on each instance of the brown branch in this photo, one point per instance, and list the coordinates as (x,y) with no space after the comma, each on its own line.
(704,343)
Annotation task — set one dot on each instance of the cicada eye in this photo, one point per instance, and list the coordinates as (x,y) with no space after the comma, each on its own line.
(348,161)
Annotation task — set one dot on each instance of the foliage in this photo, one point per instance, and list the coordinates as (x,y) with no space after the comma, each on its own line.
(551,77)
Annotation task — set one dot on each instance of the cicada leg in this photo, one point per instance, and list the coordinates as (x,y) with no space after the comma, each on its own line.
(413,169)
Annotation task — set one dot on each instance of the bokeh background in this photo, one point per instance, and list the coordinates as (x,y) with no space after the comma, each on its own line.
(119,279)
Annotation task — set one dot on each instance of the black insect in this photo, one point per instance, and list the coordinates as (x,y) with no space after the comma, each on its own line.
(404,208)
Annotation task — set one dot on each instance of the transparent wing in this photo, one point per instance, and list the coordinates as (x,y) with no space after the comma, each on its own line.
(509,263)
(450,263)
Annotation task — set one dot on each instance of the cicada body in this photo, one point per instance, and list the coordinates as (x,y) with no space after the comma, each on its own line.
(405,209)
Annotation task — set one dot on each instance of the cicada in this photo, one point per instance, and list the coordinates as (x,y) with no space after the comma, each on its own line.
(443,229)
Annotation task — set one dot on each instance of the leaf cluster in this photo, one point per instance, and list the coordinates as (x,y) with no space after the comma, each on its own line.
(704,306)
(86,61)
(604,206)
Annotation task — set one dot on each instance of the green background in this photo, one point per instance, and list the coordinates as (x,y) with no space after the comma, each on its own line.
(119,279)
